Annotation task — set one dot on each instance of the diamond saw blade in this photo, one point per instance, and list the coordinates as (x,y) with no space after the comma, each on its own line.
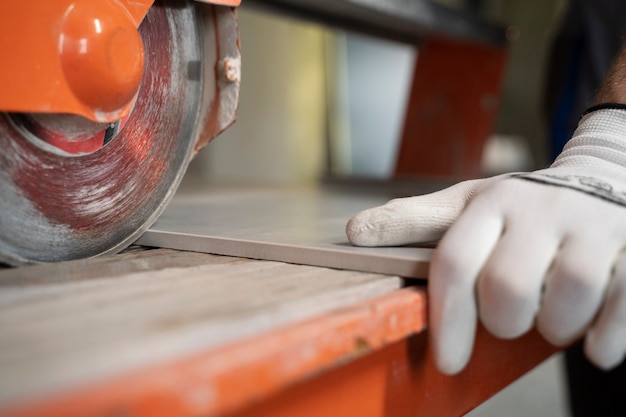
(58,206)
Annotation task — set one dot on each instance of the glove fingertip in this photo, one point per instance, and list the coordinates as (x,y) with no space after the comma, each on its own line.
(452,344)
(604,357)
(450,364)
(361,232)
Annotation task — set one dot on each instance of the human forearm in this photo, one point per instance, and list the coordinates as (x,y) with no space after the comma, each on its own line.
(613,90)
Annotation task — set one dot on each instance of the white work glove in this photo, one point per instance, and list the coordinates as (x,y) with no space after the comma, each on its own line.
(541,248)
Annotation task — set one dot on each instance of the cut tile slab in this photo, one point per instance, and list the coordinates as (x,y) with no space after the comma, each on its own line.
(296,226)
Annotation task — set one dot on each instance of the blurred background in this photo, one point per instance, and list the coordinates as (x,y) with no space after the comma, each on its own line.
(318,102)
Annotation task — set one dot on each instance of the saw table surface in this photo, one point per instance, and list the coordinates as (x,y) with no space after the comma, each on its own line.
(171,333)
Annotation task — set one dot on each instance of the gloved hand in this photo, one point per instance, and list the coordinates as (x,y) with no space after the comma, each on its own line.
(541,248)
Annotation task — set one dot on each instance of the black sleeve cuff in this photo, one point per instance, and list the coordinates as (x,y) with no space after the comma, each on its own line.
(602,106)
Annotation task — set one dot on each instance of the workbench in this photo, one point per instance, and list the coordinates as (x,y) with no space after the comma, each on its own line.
(174,333)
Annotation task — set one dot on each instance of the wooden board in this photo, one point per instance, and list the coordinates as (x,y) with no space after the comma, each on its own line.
(298,226)
(73,323)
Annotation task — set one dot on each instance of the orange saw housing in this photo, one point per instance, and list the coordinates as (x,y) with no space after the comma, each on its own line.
(81,57)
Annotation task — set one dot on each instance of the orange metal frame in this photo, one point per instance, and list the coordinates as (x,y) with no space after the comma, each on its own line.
(368,360)
(400,380)
(80,57)
(452,108)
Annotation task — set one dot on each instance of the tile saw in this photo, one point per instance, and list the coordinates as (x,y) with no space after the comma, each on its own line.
(104,103)
(102,106)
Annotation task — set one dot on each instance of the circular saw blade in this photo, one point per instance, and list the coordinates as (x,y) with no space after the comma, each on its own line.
(58,207)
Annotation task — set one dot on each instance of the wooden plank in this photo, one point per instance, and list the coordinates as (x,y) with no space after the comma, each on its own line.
(131,261)
(304,226)
(294,371)
(72,323)
(233,376)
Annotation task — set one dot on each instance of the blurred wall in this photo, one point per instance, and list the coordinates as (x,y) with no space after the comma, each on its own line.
(531,24)
(280,135)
